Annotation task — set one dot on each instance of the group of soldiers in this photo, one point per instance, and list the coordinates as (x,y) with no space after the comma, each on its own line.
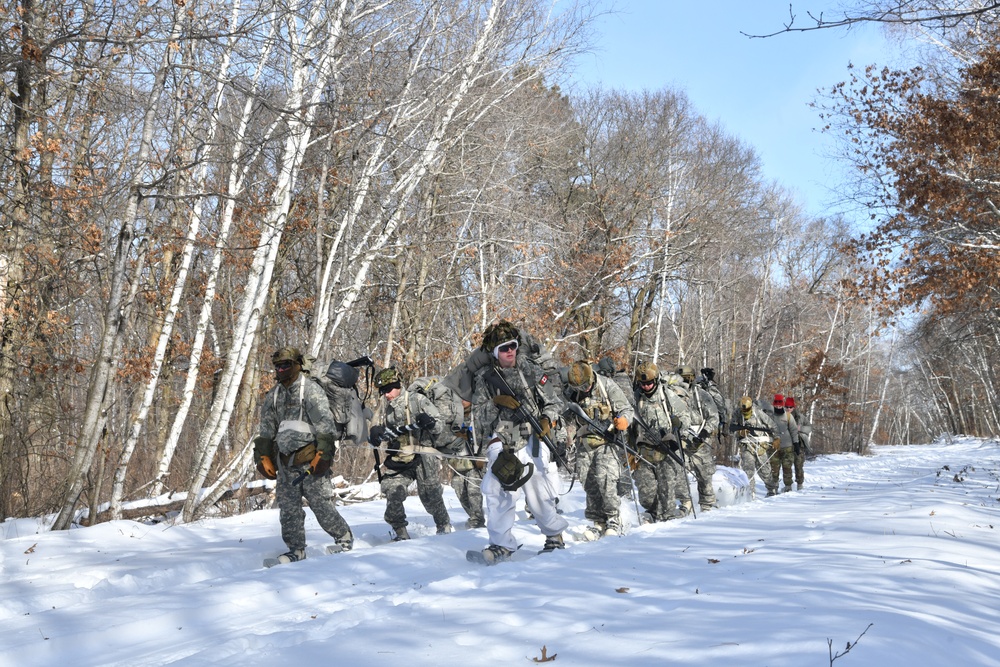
(505,421)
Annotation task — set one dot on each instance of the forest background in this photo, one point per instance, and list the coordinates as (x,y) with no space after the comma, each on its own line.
(188,185)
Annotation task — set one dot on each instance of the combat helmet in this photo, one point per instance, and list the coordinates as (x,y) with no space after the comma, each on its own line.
(645,373)
(388,379)
(580,377)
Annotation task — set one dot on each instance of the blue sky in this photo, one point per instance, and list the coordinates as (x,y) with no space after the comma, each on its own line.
(758,89)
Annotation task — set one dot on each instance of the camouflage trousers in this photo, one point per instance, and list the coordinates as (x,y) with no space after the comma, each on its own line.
(701,461)
(599,470)
(781,466)
(800,464)
(467,485)
(395,488)
(319,493)
(657,483)
(753,461)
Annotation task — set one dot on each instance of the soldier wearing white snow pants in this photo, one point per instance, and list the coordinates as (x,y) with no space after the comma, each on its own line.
(508,394)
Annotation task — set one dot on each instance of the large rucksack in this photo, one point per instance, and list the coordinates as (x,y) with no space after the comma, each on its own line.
(349,412)
(448,403)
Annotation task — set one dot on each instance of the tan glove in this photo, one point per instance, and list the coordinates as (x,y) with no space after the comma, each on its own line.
(621,423)
(546,426)
(320,465)
(266,467)
(505,401)
(776,444)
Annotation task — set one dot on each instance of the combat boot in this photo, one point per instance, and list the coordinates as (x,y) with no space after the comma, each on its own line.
(495,553)
(444,529)
(346,541)
(400,534)
(614,527)
(553,542)
(292,556)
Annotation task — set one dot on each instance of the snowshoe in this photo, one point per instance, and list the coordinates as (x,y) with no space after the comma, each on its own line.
(491,555)
(292,556)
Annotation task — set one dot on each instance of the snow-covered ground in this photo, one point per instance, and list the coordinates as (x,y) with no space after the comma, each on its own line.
(900,549)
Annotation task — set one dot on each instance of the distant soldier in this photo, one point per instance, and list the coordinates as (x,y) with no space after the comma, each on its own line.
(598,466)
(467,479)
(606,367)
(698,439)
(786,433)
(410,421)
(660,416)
(802,446)
(707,382)
(295,446)
(754,431)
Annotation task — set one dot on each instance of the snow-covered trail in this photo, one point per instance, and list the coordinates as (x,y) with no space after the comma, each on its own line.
(894,540)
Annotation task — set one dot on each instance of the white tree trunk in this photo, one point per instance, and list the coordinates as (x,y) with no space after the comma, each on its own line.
(234,189)
(103,373)
(312,61)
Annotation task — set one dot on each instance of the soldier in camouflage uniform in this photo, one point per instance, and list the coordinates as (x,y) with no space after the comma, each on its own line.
(606,367)
(724,407)
(698,450)
(297,436)
(467,475)
(512,447)
(598,465)
(410,421)
(802,446)
(659,474)
(786,434)
(754,430)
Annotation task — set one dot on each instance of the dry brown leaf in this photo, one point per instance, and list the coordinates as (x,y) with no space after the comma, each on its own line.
(545,658)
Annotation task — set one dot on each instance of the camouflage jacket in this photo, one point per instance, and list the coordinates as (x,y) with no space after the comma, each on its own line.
(296,416)
(604,402)
(405,408)
(532,387)
(656,410)
(758,420)
(705,416)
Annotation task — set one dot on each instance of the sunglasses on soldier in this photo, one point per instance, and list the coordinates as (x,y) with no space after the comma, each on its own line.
(283,365)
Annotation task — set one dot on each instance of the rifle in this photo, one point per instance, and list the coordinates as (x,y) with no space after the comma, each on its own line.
(657,440)
(500,384)
(377,436)
(752,429)
(388,434)
(602,430)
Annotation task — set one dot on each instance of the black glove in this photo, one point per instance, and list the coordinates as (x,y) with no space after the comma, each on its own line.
(425,421)
(376,434)
(701,437)
(263,446)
